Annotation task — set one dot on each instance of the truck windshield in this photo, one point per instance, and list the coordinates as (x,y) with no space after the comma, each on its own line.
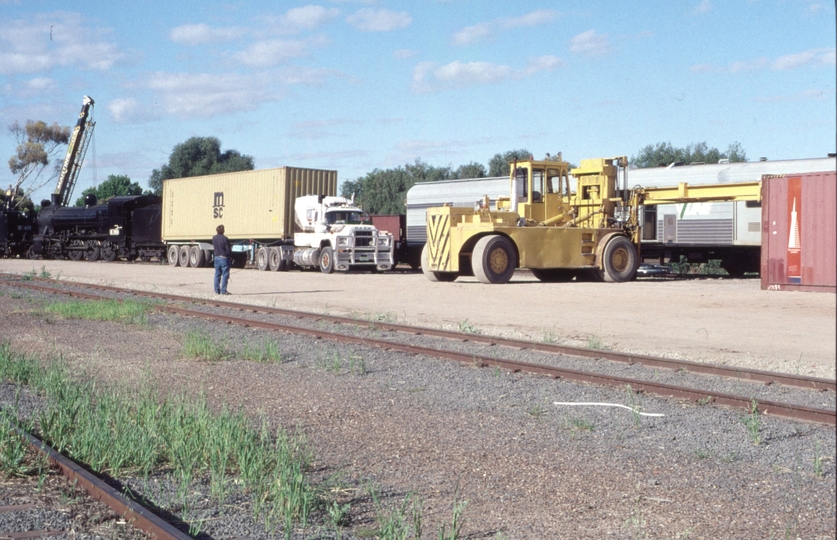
(343,217)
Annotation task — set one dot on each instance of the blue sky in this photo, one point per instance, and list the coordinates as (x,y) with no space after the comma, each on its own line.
(355,85)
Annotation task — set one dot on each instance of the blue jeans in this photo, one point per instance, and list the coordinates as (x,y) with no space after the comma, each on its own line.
(222,274)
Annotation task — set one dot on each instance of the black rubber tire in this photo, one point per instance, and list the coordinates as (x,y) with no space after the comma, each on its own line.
(553,275)
(434,276)
(274,259)
(619,260)
(327,260)
(494,259)
(263,258)
(183,256)
(173,255)
(196,259)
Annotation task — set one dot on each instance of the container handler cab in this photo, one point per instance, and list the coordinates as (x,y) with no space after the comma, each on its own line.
(593,232)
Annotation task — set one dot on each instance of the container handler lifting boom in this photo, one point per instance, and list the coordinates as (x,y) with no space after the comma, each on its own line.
(76,149)
(593,232)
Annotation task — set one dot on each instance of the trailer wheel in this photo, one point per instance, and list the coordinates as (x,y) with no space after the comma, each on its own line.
(173,255)
(619,261)
(274,259)
(183,256)
(263,258)
(494,259)
(327,260)
(553,275)
(196,259)
(434,276)
(93,252)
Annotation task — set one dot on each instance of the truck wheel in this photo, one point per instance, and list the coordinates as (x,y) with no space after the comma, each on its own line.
(553,275)
(274,259)
(327,260)
(173,255)
(619,260)
(183,256)
(263,258)
(196,259)
(434,276)
(494,259)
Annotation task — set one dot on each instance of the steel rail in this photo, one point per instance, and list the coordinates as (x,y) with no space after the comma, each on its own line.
(754,375)
(785,410)
(134,513)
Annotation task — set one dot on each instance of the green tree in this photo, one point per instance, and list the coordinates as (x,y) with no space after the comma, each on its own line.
(499,164)
(384,191)
(198,156)
(115,185)
(37,145)
(663,154)
(471,170)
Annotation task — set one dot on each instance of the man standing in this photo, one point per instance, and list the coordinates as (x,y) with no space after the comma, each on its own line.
(223,258)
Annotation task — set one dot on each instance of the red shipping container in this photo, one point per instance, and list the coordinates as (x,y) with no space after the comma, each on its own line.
(799,232)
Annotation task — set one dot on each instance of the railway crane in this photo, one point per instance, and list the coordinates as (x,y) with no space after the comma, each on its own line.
(76,149)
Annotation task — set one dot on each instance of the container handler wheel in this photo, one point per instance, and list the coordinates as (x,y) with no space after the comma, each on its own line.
(494,259)
(434,276)
(183,256)
(173,255)
(263,258)
(619,260)
(327,260)
(196,259)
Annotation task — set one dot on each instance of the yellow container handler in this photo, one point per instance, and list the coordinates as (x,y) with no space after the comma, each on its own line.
(593,232)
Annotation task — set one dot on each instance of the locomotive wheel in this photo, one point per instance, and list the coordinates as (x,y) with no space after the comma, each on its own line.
(30,253)
(75,254)
(173,255)
(263,258)
(196,259)
(183,255)
(327,260)
(434,276)
(109,252)
(494,259)
(93,252)
(553,275)
(619,261)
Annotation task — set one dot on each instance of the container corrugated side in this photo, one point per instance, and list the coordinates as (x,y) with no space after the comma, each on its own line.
(254,205)
(799,232)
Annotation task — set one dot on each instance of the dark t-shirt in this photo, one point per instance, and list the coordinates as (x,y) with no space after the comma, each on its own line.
(221,245)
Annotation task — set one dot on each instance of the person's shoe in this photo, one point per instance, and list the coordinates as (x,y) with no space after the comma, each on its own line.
(225,293)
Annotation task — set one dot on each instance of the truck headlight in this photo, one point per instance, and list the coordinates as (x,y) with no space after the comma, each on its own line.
(343,241)
(384,241)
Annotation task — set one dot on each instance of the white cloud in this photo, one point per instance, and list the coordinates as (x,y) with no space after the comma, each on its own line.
(428,76)
(472,34)
(812,58)
(403,54)
(203,95)
(485,30)
(53,40)
(379,20)
(40,84)
(590,44)
(310,17)
(704,7)
(275,51)
(201,34)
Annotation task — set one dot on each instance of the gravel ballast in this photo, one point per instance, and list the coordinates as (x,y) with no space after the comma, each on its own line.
(528,468)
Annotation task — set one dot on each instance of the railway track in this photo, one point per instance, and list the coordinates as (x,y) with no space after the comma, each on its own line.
(775,408)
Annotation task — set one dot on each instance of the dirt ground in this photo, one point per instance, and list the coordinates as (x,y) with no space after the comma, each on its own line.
(729,321)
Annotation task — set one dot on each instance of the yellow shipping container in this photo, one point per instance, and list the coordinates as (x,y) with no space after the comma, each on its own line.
(256,205)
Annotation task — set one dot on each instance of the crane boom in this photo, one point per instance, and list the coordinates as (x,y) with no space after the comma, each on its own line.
(76,150)
(684,193)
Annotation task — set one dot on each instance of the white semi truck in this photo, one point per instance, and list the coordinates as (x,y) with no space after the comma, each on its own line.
(286,217)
